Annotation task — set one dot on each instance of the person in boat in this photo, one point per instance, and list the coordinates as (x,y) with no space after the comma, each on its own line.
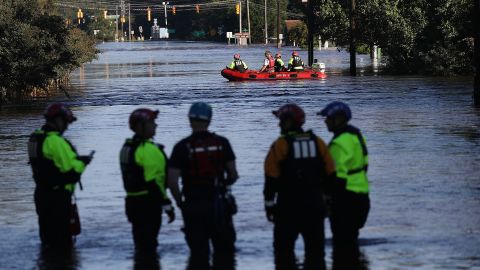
(268,63)
(350,202)
(206,163)
(238,64)
(295,63)
(296,169)
(56,168)
(144,171)
(279,64)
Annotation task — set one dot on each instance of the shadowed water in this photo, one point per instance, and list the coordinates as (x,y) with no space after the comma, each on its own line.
(423,136)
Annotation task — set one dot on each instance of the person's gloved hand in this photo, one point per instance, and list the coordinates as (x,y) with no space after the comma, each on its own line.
(270,210)
(169,210)
(85,159)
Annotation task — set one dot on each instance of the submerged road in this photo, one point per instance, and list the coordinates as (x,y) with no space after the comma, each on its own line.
(423,136)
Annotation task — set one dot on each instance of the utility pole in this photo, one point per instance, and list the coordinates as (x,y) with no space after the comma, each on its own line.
(129,25)
(122,11)
(353,64)
(279,44)
(310,32)
(266,27)
(248,22)
(116,22)
(240,16)
(476,87)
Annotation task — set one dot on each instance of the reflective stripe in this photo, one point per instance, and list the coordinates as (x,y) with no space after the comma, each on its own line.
(269,203)
(296,150)
(138,193)
(203,149)
(304,149)
(357,170)
(312,149)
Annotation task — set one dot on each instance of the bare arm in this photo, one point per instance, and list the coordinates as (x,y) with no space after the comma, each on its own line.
(232,174)
(173,177)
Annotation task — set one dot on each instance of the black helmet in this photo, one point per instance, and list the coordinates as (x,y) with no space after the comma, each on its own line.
(141,116)
(59,109)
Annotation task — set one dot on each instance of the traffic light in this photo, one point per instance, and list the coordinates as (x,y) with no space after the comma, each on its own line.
(79,15)
(174,11)
(237,9)
(197,8)
(105,14)
(149,14)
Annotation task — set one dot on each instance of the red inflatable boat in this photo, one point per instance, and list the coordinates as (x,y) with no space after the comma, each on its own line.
(233,75)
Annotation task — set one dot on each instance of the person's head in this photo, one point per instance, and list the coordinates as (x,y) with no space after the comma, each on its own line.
(58,117)
(142,122)
(294,53)
(236,56)
(337,114)
(200,114)
(268,54)
(278,55)
(291,117)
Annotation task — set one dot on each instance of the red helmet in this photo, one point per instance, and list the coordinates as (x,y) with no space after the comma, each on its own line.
(293,111)
(58,109)
(141,116)
(236,56)
(294,53)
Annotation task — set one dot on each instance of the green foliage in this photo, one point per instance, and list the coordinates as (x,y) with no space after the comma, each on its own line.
(36,50)
(416,36)
(298,35)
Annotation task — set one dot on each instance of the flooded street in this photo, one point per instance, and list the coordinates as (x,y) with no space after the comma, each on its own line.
(423,136)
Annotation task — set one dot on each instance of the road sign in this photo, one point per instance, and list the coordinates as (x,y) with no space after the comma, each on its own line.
(242,35)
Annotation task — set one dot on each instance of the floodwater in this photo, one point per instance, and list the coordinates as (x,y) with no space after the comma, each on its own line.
(423,136)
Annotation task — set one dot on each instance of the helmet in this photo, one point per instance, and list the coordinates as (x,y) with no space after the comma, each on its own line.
(278,55)
(294,53)
(236,56)
(59,109)
(200,111)
(141,116)
(291,110)
(334,108)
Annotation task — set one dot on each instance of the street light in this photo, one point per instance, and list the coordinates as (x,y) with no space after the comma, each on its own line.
(165,6)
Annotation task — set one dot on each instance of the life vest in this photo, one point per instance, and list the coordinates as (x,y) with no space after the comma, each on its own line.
(304,168)
(133,174)
(45,173)
(206,161)
(239,65)
(271,63)
(279,65)
(356,177)
(297,63)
